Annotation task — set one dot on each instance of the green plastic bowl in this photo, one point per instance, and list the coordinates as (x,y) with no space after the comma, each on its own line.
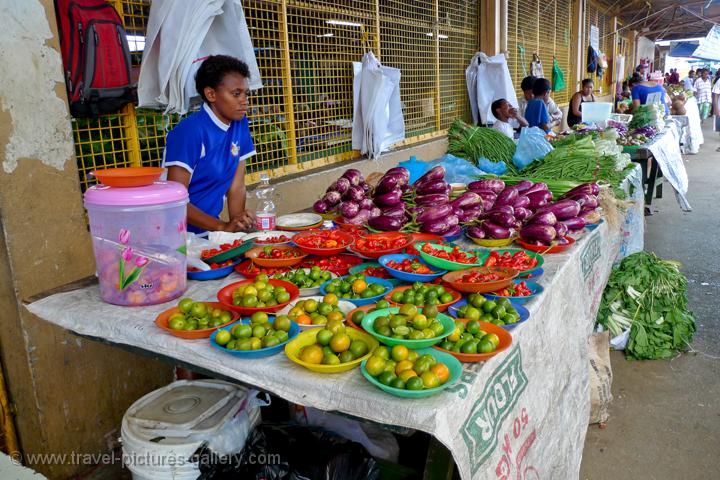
(363,266)
(232,253)
(367,323)
(446,264)
(452,363)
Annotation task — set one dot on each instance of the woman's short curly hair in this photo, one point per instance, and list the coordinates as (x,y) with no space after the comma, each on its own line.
(213,70)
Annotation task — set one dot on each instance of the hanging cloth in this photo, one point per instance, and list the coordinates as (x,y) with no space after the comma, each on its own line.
(536,68)
(521,51)
(488,79)
(180,35)
(592,60)
(558,77)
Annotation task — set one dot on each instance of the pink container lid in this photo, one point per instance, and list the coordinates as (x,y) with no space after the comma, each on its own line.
(156,194)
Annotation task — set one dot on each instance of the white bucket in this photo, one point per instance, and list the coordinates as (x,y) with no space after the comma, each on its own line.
(161,431)
(596,112)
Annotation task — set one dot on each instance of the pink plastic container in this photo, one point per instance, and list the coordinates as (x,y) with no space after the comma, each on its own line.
(138,236)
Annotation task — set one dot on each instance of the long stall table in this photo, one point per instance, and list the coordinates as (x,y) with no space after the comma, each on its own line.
(523,412)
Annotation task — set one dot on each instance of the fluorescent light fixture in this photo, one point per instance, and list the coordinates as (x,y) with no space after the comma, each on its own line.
(666,43)
(136,43)
(343,23)
(326,35)
(440,35)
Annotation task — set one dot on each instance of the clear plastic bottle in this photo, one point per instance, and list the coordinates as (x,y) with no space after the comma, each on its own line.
(265,212)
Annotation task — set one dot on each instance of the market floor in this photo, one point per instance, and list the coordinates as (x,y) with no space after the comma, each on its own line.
(665,417)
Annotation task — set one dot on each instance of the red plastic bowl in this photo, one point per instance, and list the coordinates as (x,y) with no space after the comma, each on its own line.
(345,239)
(225,297)
(350,261)
(244,269)
(543,249)
(379,253)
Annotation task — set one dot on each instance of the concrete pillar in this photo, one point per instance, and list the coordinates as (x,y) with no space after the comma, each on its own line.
(68,394)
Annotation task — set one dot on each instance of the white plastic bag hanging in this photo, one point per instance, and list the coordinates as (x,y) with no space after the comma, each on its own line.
(493,83)
(471,73)
(377,111)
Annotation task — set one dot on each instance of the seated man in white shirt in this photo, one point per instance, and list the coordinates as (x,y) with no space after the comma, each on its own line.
(507,117)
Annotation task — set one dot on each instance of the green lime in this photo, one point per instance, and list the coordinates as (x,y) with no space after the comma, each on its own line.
(469,347)
(386,378)
(414,383)
(398,383)
(486,346)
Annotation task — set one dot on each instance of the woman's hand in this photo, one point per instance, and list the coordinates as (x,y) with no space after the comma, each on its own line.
(245,222)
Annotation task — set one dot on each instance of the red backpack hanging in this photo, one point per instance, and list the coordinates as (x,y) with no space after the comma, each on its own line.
(96,57)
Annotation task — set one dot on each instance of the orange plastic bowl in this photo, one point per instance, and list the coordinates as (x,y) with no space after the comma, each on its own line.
(348,317)
(253,253)
(225,297)
(453,278)
(408,240)
(440,306)
(344,240)
(503,335)
(543,249)
(128,176)
(163,319)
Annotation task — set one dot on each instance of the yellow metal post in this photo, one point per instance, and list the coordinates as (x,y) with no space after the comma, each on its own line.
(10,442)
(377,28)
(287,85)
(132,142)
(436,21)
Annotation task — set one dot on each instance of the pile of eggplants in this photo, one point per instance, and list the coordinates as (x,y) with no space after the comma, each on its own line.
(389,196)
(348,196)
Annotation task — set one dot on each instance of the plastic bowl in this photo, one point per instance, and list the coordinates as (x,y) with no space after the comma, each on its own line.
(347,259)
(128,176)
(162,322)
(257,236)
(292,350)
(522,311)
(451,362)
(367,324)
(534,287)
(307,292)
(344,306)
(447,264)
(345,240)
(297,222)
(243,269)
(405,276)
(535,255)
(493,242)
(408,240)
(422,237)
(228,254)
(551,249)
(348,318)
(503,335)
(440,306)
(263,352)
(363,301)
(452,238)
(453,278)
(528,274)
(253,253)
(225,296)
(212,274)
(363,266)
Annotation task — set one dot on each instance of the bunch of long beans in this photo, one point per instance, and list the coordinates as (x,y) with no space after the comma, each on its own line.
(473,143)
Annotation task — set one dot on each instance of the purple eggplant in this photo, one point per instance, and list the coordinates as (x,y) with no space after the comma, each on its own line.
(332,198)
(433,175)
(454,231)
(397,211)
(375,212)
(543,218)
(487,204)
(416,210)
(537,232)
(467,200)
(432,199)
(563,209)
(539,199)
(365,186)
(587,202)
(349,209)
(475,232)
(360,219)
(441,226)
(523,185)
(586,188)
(501,218)
(366,204)
(561,229)
(404,172)
(574,224)
(405,187)
(498,232)
(521,201)
(389,199)
(354,176)
(522,213)
(470,214)
(433,213)
(321,207)
(562,240)
(332,187)
(581,198)
(507,196)
(504,209)
(492,184)
(388,183)
(538,187)
(385,223)
(342,185)
(439,186)
(457,211)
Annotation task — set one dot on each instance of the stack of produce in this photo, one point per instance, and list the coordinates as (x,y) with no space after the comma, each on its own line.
(388,196)
(348,196)
(648,296)
(647,115)
(473,143)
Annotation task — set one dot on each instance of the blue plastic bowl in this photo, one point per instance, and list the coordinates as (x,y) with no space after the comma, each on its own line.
(363,301)
(534,287)
(213,274)
(409,277)
(359,268)
(263,352)
(592,226)
(452,238)
(522,311)
(531,273)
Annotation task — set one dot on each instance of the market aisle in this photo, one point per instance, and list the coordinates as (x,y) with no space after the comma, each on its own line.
(665,417)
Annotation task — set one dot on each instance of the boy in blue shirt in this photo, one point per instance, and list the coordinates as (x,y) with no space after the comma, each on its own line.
(207,150)
(536,112)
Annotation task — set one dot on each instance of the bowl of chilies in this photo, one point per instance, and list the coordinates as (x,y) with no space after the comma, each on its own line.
(449,257)
(375,245)
(481,279)
(527,263)
(518,292)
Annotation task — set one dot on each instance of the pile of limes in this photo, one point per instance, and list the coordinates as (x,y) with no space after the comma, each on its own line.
(470,338)
(259,294)
(314,278)
(402,368)
(197,316)
(410,324)
(258,334)
(354,287)
(498,312)
(333,346)
(312,312)
(421,294)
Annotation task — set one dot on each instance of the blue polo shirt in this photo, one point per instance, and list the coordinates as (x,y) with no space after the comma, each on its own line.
(536,113)
(211,151)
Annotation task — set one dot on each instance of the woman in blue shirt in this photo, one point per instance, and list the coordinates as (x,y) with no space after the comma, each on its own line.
(207,150)
(641,89)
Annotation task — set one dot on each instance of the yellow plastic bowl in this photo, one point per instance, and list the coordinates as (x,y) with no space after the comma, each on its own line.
(491,242)
(292,350)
